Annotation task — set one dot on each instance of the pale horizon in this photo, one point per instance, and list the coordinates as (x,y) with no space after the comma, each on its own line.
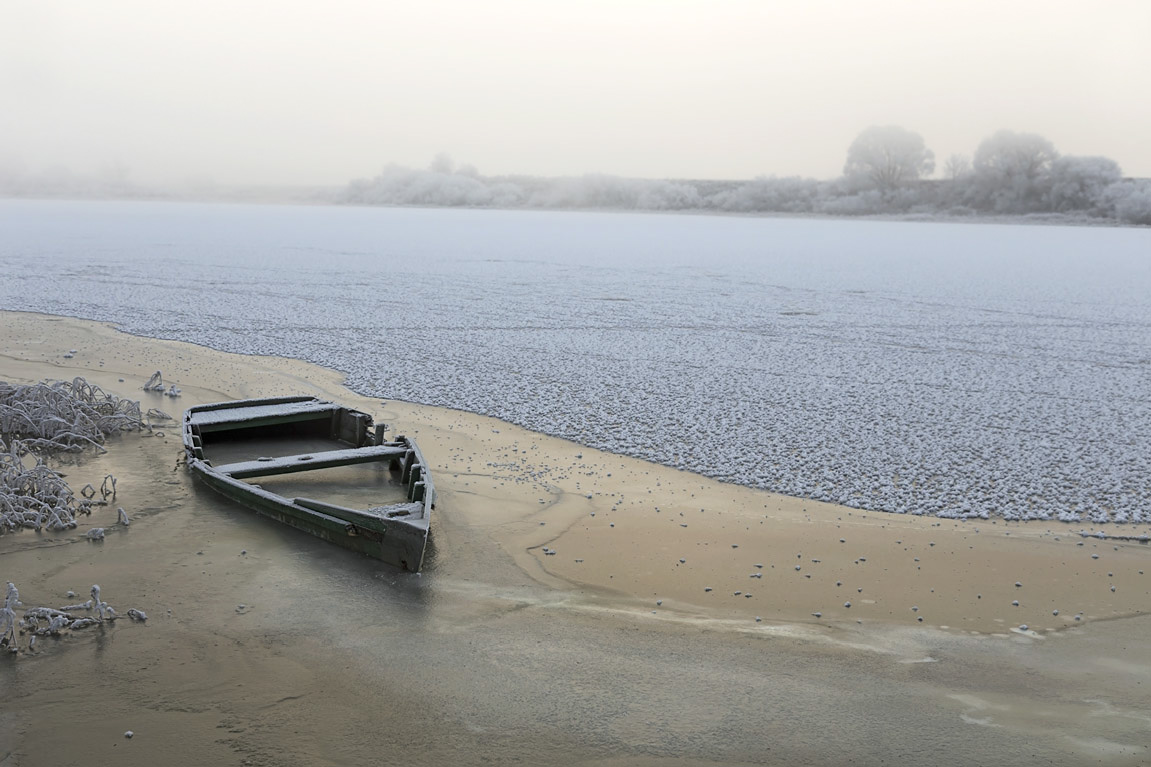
(295,94)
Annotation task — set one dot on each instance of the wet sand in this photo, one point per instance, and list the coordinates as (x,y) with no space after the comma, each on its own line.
(609,651)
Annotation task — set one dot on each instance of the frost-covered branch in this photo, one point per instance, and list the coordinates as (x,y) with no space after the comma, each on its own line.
(37,420)
(52,621)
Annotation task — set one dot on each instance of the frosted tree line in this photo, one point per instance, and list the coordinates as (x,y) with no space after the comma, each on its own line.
(888,171)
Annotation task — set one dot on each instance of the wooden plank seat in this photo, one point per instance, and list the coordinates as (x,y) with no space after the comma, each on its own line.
(248,416)
(289,464)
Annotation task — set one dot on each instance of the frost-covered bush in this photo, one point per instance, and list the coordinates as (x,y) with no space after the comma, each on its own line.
(398,185)
(614,192)
(770,194)
(33,496)
(505,194)
(65,415)
(669,195)
(1078,183)
(53,621)
(441,185)
(44,418)
(1129,201)
(862,204)
(590,191)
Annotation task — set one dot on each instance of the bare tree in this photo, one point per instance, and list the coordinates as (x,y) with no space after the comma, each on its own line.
(1011,170)
(887,156)
(957,166)
(1014,155)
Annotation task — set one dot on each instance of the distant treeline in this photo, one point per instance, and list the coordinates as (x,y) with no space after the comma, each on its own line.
(885,173)
(114,183)
(58,181)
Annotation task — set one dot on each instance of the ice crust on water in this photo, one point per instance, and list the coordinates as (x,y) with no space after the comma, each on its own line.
(942,369)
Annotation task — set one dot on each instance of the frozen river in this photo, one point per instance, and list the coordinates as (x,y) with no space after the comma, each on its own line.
(950,369)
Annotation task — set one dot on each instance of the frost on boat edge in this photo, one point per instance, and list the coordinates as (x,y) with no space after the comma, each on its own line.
(396,534)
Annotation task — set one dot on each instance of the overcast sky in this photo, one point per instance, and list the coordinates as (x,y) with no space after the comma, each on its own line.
(321,92)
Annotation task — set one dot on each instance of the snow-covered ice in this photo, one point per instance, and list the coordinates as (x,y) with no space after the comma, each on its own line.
(944,369)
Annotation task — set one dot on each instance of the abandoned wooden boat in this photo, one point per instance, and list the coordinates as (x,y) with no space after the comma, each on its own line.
(227,443)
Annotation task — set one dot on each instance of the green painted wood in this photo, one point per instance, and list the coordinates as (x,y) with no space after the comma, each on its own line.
(327,459)
(401,543)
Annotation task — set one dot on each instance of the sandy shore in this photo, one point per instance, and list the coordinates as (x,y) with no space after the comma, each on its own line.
(654,569)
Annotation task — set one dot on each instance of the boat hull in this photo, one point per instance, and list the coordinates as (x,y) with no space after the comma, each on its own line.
(395,534)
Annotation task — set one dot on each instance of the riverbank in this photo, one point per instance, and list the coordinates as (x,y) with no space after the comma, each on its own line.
(645,533)
(635,642)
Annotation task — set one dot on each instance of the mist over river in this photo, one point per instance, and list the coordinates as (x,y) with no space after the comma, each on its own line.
(929,368)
